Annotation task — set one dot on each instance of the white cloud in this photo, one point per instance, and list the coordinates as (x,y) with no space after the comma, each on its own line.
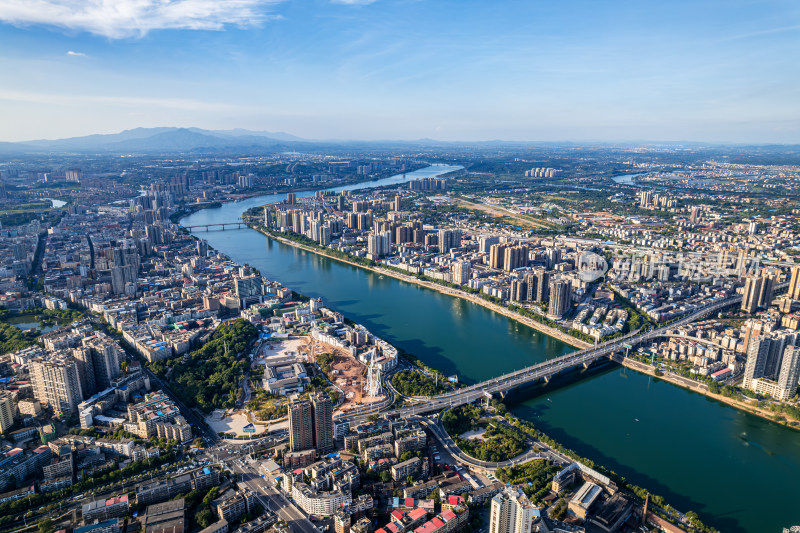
(126,18)
(77,54)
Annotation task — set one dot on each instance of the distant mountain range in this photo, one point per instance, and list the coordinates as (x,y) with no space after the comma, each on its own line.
(238,141)
(159,140)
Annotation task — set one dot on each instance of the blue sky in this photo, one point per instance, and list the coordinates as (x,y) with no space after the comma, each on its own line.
(701,70)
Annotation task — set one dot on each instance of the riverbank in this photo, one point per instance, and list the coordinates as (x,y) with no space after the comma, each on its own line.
(680,381)
(427,324)
(702,388)
(547,330)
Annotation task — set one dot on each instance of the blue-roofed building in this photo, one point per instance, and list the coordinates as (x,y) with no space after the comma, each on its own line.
(107,526)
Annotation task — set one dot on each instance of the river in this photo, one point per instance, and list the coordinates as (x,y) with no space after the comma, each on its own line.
(56,203)
(736,470)
(627,179)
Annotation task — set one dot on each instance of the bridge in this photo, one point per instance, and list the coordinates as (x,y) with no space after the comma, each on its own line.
(220,225)
(546,370)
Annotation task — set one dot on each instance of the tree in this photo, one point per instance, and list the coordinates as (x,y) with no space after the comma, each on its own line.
(45,526)
(204,518)
(386,476)
(209,497)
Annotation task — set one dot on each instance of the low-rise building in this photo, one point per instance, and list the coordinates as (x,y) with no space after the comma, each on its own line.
(106,526)
(220,526)
(321,503)
(232,505)
(402,470)
(105,509)
(167,517)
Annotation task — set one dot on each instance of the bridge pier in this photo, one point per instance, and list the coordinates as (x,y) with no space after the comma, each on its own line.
(586,365)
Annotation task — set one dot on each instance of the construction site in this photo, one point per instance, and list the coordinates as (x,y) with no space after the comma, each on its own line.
(358,384)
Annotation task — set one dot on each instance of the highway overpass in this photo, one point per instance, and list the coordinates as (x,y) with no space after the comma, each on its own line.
(545,370)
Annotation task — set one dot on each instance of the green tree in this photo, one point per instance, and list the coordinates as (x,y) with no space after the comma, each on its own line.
(204,518)
(45,526)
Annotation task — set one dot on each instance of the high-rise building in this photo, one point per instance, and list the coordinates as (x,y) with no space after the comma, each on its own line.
(645,198)
(325,235)
(311,423)
(460,271)
(449,239)
(322,407)
(542,285)
(512,512)
(118,279)
(301,426)
(73,176)
(8,408)
(379,244)
(757,293)
(99,361)
(794,284)
(364,221)
(519,290)
(515,257)
(246,287)
(552,257)
(83,357)
(497,255)
(315,228)
(403,234)
(773,364)
(56,383)
(531,284)
(789,374)
(560,294)
(485,243)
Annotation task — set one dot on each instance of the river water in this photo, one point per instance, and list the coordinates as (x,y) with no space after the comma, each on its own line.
(627,179)
(738,471)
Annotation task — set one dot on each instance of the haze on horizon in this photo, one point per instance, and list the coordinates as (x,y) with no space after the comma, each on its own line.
(468,70)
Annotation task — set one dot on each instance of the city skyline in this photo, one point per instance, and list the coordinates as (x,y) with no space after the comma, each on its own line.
(689,71)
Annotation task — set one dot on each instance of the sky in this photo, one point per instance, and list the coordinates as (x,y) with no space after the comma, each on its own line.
(460,70)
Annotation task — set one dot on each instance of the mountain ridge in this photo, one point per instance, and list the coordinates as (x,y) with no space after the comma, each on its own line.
(160,139)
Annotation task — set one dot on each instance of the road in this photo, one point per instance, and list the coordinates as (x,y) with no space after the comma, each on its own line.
(198,426)
(537,450)
(271,498)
